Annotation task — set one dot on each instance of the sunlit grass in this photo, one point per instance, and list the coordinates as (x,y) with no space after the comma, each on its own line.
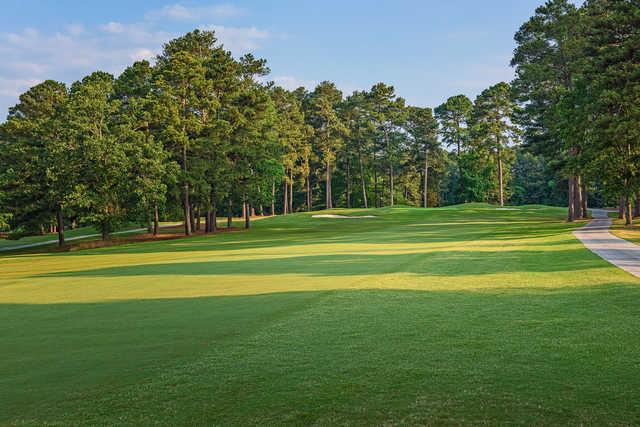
(630,233)
(465,314)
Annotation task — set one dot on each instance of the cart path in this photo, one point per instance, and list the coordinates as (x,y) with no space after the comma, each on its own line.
(69,239)
(596,237)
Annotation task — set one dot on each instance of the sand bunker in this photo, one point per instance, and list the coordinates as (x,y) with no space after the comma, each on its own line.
(342,216)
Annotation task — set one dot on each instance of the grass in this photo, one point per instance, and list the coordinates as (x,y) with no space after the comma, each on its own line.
(630,233)
(460,315)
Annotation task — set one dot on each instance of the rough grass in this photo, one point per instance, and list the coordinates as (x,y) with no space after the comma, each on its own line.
(461,315)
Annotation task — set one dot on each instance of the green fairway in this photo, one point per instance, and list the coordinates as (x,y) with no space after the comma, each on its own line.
(459,315)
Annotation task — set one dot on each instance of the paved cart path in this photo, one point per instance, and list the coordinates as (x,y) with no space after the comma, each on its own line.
(597,238)
(69,239)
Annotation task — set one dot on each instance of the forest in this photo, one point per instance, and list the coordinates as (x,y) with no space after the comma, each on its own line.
(200,135)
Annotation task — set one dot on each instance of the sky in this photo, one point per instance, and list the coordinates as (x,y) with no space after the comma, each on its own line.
(427,49)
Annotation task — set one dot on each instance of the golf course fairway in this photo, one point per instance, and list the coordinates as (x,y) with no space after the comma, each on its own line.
(459,315)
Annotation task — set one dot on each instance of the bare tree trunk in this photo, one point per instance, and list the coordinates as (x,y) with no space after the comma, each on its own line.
(621,208)
(629,208)
(273,198)
(364,188)
(308,193)
(500,177)
(290,192)
(348,185)
(60,226)
(247,216)
(285,200)
(214,216)
(328,201)
(570,198)
(156,219)
(187,205)
(636,210)
(375,186)
(198,216)
(577,194)
(585,201)
(230,214)
(391,190)
(426,179)
(461,181)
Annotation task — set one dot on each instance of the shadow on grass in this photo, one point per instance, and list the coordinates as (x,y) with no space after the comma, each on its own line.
(301,230)
(432,263)
(363,357)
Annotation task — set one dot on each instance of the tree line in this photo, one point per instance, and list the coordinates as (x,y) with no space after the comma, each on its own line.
(200,134)
(578,83)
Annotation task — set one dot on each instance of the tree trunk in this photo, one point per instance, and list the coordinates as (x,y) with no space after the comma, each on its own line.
(247,216)
(230,215)
(636,210)
(375,186)
(348,185)
(285,199)
(391,185)
(577,194)
(60,221)
(187,205)
(244,209)
(328,202)
(308,193)
(500,177)
(621,208)
(198,215)
(629,208)
(570,197)
(290,192)
(214,216)
(426,179)
(364,188)
(585,202)
(156,219)
(212,211)
(461,181)
(273,198)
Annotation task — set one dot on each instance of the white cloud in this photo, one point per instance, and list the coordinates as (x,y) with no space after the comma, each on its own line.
(113,28)
(180,12)
(30,56)
(14,87)
(240,39)
(292,83)
(143,53)
(75,29)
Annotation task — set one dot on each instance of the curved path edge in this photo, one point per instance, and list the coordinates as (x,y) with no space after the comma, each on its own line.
(596,237)
(70,239)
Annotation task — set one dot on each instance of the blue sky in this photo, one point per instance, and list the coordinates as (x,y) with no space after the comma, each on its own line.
(427,49)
